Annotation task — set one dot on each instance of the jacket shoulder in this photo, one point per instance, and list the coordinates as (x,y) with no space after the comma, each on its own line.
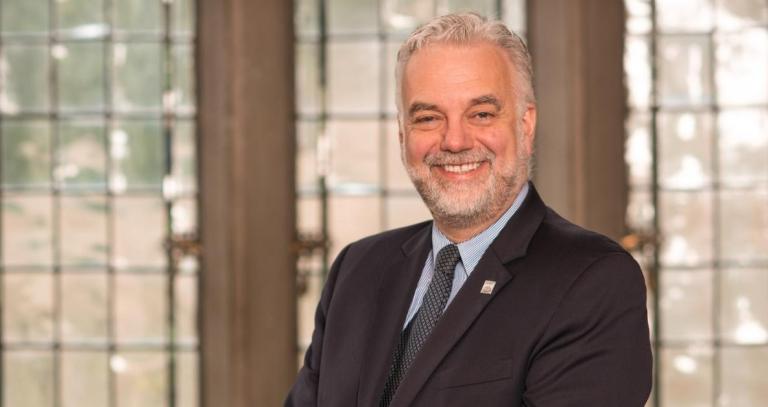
(559,233)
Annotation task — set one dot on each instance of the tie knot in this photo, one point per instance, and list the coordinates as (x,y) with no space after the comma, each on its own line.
(447,258)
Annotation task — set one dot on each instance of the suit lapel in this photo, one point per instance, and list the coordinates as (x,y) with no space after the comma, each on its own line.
(396,287)
(511,243)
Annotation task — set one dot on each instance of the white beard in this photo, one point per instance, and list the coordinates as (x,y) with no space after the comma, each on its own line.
(468,203)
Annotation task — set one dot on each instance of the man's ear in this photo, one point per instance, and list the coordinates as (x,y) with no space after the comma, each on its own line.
(399,130)
(529,126)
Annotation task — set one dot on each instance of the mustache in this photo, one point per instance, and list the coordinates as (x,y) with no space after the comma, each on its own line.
(464,157)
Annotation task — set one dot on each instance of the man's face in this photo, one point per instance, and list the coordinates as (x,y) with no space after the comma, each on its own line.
(465,138)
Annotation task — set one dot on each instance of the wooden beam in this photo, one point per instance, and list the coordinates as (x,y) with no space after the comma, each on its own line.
(246,149)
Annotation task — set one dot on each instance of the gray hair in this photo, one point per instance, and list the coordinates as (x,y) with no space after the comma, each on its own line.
(465,28)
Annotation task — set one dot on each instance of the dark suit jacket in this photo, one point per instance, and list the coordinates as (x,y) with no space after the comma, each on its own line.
(565,324)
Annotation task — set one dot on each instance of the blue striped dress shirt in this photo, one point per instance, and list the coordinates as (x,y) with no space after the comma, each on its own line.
(471,251)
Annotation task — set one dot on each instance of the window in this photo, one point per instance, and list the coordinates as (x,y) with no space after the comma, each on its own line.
(349,176)
(697,151)
(97,172)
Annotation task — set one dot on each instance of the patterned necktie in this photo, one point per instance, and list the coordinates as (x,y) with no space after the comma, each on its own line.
(418,330)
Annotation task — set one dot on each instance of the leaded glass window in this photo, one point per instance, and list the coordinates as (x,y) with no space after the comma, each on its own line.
(697,150)
(350,181)
(97,173)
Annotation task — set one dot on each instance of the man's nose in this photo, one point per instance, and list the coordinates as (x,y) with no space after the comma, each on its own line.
(456,138)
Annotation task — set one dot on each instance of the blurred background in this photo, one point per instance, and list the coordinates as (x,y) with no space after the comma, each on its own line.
(177,175)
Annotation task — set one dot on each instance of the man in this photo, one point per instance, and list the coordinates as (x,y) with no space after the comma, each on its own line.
(498,301)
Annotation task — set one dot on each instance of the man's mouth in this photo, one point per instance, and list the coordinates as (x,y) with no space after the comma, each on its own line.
(460,168)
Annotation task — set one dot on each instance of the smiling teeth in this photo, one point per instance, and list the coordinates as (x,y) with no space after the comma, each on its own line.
(461,168)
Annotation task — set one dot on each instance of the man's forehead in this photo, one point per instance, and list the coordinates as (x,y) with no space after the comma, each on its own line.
(485,99)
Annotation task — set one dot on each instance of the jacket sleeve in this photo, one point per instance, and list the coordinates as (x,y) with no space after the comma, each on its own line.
(304,390)
(596,349)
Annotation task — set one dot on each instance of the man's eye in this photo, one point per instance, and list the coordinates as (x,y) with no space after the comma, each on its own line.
(425,119)
(484,115)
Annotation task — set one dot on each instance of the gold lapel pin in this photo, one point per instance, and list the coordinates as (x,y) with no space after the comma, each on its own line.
(488,287)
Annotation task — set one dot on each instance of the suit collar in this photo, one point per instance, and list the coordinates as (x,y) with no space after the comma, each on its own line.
(512,242)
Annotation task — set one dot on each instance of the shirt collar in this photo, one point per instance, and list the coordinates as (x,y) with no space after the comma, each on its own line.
(473,249)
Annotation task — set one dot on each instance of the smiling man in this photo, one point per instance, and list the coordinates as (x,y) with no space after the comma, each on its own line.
(497,301)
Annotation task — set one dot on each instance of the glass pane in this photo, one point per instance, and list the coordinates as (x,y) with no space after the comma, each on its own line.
(743,376)
(403,16)
(137,152)
(308,93)
(24,78)
(184,78)
(638,153)
(188,264)
(184,216)
(685,150)
(81,18)
(24,16)
(484,7)
(638,17)
(686,378)
(689,15)
(354,154)
(138,81)
(186,309)
(28,220)
(353,77)
(742,63)
(309,212)
(187,379)
(141,308)
(185,156)
(139,225)
(684,70)
(183,16)
(84,306)
(686,228)
(307,17)
(744,306)
(640,211)
(743,146)
(82,155)
(28,378)
(514,15)
(84,228)
(741,13)
(396,176)
(138,15)
(141,379)
(390,83)
(352,16)
(81,75)
(637,66)
(744,226)
(26,153)
(405,210)
(84,379)
(307,176)
(352,218)
(28,307)
(686,305)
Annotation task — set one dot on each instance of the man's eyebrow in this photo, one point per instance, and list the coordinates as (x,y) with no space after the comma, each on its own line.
(419,106)
(486,99)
